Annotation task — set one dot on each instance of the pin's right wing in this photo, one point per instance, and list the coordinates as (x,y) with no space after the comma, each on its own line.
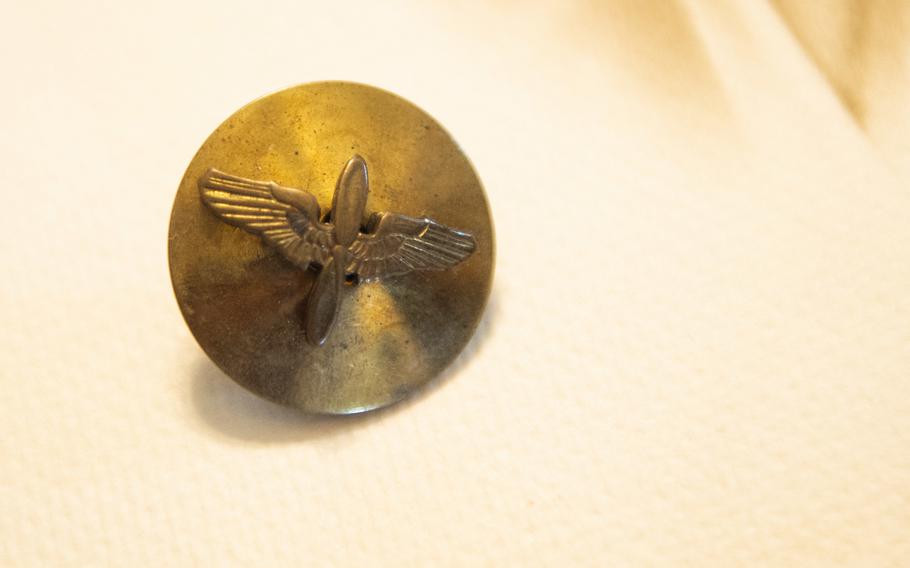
(397,244)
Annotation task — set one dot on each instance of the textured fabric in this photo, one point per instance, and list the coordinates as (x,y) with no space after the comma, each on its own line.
(697,352)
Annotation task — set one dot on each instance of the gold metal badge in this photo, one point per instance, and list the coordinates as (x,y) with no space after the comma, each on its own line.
(343,304)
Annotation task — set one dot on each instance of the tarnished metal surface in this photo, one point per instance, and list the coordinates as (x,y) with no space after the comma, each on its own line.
(252,302)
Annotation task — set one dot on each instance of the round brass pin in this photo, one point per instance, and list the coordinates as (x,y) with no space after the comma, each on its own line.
(318,313)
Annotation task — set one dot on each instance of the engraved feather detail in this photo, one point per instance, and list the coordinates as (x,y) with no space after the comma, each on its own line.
(398,244)
(286,218)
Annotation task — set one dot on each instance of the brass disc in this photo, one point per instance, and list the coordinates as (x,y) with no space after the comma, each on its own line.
(245,302)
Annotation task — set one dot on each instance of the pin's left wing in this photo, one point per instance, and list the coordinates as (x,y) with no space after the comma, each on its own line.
(397,244)
(284,217)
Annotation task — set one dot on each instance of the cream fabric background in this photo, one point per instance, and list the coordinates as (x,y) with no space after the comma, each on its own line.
(698,346)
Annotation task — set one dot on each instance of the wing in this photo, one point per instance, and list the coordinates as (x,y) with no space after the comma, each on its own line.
(286,218)
(397,244)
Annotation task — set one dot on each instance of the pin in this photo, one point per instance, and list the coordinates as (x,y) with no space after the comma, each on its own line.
(331,248)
